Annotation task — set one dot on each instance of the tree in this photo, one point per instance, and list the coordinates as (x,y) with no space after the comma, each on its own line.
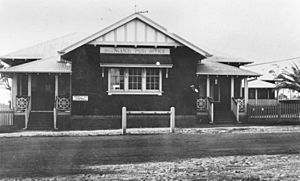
(4,79)
(289,79)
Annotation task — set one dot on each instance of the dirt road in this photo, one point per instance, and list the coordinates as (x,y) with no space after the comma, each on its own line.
(50,156)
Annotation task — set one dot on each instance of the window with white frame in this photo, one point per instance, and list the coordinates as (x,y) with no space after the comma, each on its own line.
(117,79)
(134,81)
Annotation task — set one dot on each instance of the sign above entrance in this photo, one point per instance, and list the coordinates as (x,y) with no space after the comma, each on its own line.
(126,50)
(80,98)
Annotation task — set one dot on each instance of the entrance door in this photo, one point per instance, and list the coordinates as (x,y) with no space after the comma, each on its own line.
(42,92)
(221,93)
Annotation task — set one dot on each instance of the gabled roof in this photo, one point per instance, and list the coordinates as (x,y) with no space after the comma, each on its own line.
(126,20)
(215,68)
(45,49)
(47,65)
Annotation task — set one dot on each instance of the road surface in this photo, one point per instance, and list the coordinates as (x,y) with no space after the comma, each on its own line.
(51,156)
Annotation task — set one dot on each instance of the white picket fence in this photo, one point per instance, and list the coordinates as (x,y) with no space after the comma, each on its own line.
(6,115)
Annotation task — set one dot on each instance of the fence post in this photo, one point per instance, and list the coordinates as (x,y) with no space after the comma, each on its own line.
(123,120)
(172,119)
(54,118)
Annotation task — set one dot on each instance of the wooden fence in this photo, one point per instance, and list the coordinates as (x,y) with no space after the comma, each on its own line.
(125,113)
(285,110)
(6,115)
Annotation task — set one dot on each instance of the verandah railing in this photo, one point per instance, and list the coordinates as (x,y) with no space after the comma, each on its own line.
(61,104)
(284,110)
(262,101)
(23,106)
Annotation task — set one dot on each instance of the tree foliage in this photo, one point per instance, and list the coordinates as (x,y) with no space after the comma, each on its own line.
(289,79)
(4,79)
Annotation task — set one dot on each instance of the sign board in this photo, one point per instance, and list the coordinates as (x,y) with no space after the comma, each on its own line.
(80,98)
(126,50)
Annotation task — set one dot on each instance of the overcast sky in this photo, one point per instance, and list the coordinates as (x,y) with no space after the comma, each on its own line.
(260,30)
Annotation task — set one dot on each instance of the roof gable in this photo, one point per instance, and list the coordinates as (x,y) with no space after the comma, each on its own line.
(136,32)
(134,29)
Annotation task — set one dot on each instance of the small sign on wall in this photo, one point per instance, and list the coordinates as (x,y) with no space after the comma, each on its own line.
(80,98)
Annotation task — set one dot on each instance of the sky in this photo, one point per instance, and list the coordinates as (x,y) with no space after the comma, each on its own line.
(257,30)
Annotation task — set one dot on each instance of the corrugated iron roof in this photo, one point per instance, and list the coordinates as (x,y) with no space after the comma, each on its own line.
(223,59)
(260,84)
(45,49)
(47,65)
(215,68)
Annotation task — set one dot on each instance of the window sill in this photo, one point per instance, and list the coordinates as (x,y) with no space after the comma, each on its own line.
(158,93)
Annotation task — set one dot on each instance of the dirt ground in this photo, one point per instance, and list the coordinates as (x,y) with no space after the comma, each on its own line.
(239,153)
(260,167)
(214,129)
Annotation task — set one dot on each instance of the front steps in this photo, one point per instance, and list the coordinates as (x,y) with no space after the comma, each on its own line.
(224,117)
(40,120)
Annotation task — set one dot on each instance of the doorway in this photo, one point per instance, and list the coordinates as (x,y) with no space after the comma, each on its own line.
(43,92)
(220,87)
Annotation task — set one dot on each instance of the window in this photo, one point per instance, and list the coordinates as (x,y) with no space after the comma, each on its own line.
(135,78)
(152,79)
(117,79)
(134,81)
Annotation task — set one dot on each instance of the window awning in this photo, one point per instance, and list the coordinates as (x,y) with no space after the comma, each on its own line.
(130,60)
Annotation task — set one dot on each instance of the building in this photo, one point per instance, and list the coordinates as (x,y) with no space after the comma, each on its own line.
(269,71)
(261,92)
(77,82)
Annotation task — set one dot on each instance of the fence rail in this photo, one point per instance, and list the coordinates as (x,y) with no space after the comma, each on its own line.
(6,115)
(125,113)
(280,111)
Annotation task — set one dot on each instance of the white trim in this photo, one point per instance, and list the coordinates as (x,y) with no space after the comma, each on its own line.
(14,89)
(56,86)
(127,91)
(29,80)
(126,20)
(126,81)
(246,93)
(143,79)
(160,80)
(151,44)
(131,92)
(232,87)
(112,65)
(207,86)
(108,80)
